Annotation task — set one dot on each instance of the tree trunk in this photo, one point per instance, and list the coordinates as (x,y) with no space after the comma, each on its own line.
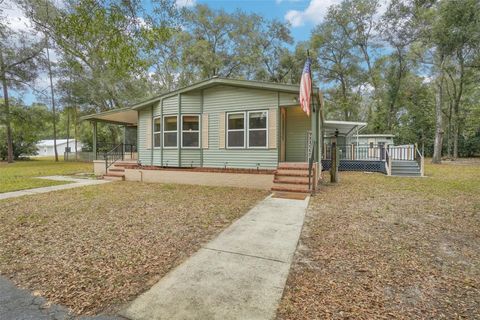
(437,147)
(7,110)
(53,102)
(76,132)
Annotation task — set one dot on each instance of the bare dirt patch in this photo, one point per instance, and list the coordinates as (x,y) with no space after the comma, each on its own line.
(385,247)
(95,248)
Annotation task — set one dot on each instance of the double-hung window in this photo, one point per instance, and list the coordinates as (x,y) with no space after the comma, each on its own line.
(170,131)
(257,129)
(157,132)
(236,130)
(247,129)
(190,131)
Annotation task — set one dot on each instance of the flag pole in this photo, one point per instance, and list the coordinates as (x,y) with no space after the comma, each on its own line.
(312,103)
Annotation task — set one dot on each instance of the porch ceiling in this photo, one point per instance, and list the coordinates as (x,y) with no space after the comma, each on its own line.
(344,128)
(125,116)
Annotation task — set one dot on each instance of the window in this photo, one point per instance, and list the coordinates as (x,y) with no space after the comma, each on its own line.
(190,131)
(157,132)
(257,129)
(170,128)
(236,130)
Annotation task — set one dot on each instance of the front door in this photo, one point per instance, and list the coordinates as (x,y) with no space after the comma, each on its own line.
(296,134)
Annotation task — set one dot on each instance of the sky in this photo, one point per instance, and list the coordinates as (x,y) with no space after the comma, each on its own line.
(302,15)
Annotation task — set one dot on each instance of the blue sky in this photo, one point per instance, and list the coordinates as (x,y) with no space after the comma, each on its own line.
(270,9)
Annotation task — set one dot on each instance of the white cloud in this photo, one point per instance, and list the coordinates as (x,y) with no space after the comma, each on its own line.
(185,3)
(315,12)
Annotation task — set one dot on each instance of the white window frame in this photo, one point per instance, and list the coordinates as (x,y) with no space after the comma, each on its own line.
(236,130)
(192,131)
(157,132)
(256,129)
(169,131)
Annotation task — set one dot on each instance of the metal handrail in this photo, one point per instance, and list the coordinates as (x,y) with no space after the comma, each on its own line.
(113,155)
(310,165)
(419,160)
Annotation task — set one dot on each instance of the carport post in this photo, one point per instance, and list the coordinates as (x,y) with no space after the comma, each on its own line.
(94,143)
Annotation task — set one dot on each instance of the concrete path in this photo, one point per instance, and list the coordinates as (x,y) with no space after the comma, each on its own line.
(18,304)
(75,183)
(239,275)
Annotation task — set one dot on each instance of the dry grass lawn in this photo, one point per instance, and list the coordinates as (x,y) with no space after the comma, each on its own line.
(95,248)
(377,247)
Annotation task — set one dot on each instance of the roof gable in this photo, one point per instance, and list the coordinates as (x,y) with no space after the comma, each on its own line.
(212,82)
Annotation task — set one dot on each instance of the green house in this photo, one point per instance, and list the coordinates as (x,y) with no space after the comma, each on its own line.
(236,126)
(224,124)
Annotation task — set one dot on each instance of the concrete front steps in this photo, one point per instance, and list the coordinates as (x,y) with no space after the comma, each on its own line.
(116,171)
(291,177)
(405,168)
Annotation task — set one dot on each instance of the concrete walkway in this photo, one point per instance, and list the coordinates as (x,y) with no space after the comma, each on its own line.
(239,275)
(75,183)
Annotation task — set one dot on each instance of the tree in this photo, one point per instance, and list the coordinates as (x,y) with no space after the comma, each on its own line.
(339,66)
(105,44)
(28,127)
(19,65)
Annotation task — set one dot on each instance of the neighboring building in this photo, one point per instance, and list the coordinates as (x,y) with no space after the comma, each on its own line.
(373,140)
(45,147)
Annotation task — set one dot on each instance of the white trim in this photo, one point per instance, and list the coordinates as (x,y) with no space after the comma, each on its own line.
(192,131)
(170,131)
(257,129)
(157,132)
(236,130)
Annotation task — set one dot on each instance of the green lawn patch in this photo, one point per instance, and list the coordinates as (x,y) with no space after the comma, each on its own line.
(22,175)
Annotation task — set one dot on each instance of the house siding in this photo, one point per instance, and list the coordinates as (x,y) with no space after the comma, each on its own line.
(223,99)
(215,101)
(144,151)
(286,99)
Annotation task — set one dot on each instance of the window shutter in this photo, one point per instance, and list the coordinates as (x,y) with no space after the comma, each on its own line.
(149,131)
(221,130)
(272,128)
(205,131)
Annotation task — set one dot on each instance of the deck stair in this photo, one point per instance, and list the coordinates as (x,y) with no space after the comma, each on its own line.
(291,177)
(405,168)
(117,170)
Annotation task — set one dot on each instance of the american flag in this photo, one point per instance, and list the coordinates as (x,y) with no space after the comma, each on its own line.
(306,87)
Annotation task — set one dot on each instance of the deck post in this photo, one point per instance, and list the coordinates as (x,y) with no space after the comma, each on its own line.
(94,142)
(334,166)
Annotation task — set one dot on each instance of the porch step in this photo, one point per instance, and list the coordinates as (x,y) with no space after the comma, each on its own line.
(115,169)
(406,174)
(114,177)
(293,166)
(405,168)
(125,163)
(290,180)
(404,163)
(285,187)
(291,177)
(292,173)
